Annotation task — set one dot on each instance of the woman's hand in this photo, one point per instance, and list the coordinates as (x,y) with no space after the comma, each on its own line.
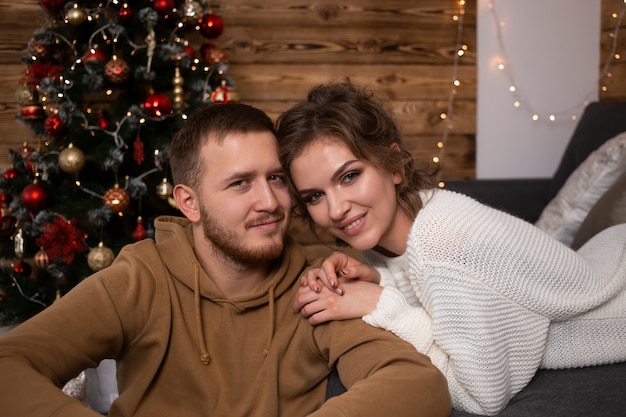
(360,298)
(338,265)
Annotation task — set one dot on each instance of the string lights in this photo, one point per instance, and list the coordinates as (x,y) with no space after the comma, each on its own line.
(461,48)
(519,101)
(522,102)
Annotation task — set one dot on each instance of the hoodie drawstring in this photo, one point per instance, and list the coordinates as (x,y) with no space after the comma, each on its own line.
(204,354)
(271,328)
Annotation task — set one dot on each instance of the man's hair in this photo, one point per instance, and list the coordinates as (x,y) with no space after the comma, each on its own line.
(356,117)
(213,122)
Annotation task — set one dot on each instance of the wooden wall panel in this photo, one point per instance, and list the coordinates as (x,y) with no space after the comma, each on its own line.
(278,50)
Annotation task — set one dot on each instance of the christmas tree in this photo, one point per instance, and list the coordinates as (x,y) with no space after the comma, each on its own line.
(105,86)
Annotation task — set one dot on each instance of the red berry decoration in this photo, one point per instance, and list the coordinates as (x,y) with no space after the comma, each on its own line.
(53,6)
(157,105)
(211,26)
(163,7)
(117,71)
(54,126)
(36,197)
(117,199)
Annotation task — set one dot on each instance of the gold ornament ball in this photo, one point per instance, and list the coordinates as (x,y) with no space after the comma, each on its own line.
(164,190)
(76,16)
(71,160)
(100,257)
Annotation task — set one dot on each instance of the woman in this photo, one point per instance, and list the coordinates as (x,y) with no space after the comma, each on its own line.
(489,297)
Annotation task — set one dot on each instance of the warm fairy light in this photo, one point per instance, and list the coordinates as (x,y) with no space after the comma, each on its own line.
(461,48)
(566,114)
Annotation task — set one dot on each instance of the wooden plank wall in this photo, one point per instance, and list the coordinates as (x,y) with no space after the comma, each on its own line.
(278,50)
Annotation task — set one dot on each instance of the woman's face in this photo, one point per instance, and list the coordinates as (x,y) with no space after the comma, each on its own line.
(352,199)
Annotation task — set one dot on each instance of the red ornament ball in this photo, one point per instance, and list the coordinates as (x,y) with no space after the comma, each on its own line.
(32,110)
(94,56)
(36,197)
(53,6)
(117,199)
(163,7)
(117,71)
(157,105)
(54,126)
(125,14)
(211,26)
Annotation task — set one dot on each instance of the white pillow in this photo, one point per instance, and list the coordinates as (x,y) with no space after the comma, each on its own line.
(564,214)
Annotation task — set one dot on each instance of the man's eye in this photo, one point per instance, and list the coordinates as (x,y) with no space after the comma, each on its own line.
(313,198)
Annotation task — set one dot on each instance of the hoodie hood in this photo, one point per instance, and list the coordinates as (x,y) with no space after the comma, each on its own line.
(174,238)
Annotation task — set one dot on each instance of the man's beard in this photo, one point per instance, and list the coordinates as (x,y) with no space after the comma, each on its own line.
(227,243)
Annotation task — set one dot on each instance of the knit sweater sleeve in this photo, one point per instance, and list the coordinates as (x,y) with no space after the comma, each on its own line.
(492,284)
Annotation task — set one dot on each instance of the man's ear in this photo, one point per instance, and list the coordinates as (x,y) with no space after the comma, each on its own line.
(187,202)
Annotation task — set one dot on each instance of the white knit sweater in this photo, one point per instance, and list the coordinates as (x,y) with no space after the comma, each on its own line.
(491,298)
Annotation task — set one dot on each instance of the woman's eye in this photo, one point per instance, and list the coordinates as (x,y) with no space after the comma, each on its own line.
(350,176)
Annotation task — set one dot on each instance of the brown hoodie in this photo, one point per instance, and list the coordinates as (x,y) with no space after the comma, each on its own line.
(185,350)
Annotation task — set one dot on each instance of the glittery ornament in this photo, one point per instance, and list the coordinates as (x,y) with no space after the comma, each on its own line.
(211,26)
(54,126)
(100,257)
(190,11)
(71,159)
(117,70)
(116,198)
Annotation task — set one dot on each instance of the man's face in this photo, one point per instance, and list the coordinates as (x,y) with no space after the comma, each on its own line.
(243,198)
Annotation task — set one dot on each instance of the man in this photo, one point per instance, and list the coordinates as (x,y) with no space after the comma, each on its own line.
(200,322)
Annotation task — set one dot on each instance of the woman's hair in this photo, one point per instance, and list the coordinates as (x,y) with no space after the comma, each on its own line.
(213,122)
(353,115)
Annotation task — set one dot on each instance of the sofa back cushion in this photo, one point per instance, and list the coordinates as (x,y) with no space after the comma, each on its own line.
(600,122)
(608,211)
